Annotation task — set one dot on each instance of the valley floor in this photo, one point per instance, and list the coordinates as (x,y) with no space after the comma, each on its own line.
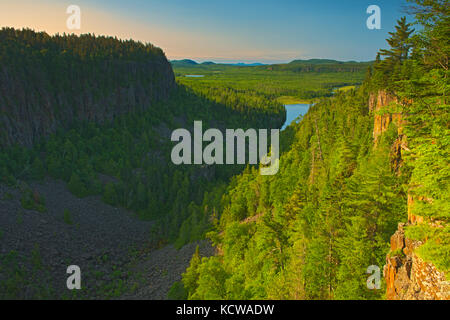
(114,249)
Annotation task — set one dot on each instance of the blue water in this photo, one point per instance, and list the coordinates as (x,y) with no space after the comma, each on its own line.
(293,111)
(194,75)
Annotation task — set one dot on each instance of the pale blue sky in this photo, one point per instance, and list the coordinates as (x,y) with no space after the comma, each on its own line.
(229,31)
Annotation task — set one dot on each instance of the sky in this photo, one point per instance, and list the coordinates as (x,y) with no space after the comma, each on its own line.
(266,31)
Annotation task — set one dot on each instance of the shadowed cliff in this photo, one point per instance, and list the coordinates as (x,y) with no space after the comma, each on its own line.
(48,82)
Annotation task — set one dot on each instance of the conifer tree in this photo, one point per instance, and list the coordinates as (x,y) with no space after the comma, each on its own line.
(400,46)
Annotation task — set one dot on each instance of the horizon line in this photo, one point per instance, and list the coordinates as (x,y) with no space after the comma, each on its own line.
(251,61)
(199,60)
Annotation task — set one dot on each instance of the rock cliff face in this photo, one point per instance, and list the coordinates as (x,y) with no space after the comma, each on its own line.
(382,121)
(408,277)
(49,82)
(377,102)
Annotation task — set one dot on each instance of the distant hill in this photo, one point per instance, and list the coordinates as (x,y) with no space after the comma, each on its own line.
(321,65)
(316,61)
(184,62)
(310,65)
(192,63)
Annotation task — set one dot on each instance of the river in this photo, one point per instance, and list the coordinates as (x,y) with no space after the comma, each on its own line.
(293,111)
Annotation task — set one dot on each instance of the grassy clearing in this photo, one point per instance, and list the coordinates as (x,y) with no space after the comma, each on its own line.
(294,100)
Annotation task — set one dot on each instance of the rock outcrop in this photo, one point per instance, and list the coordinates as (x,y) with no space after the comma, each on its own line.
(377,102)
(408,277)
(382,121)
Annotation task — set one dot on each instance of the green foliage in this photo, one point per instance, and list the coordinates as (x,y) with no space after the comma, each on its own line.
(418,232)
(396,253)
(437,249)
(312,230)
(36,257)
(16,280)
(32,201)
(190,277)
(76,186)
(211,284)
(400,47)
(395,66)
(109,194)
(309,232)
(297,80)
(64,78)
(132,153)
(8,196)
(67,216)
(37,170)
(427,129)
(177,292)
(132,150)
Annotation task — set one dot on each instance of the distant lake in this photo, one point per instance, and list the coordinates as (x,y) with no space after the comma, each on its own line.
(293,111)
(195,75)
